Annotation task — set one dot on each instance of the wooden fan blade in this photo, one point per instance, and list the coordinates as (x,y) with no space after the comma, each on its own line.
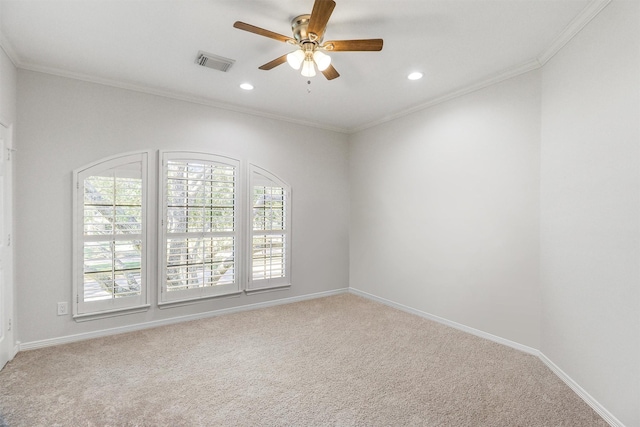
(353,45)
(274,63)
(330,73)
(262,32)
(320,15)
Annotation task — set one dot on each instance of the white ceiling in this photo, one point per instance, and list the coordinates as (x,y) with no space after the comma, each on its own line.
(151,45)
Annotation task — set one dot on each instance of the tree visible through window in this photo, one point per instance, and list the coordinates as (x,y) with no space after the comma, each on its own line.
(199,200)
(269,231)
(207,246)
(111,232)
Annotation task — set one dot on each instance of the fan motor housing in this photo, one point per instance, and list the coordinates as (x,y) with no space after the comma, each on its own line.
(299,26)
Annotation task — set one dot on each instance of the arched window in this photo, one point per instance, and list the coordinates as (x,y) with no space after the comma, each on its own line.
(110,235)
(199,226)
(213,238)
(269,231)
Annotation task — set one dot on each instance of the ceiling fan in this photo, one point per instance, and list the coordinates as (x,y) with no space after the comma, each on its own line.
(308,34)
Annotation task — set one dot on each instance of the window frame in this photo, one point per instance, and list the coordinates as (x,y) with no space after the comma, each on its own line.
(168,298)
(255,175)
(87,310)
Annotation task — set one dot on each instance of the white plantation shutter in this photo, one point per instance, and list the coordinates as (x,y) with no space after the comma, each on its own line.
(199,226)
(110,235)
(269,261)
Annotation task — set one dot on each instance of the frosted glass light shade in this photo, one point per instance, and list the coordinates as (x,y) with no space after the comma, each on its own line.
(308,70)
(322,60)
(295,59)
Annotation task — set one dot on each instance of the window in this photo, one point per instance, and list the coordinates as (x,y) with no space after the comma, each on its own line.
(199,226)
(214,240)
(110,243)
(269,263)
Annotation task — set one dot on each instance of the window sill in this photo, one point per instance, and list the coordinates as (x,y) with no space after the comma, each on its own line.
(267,289)
(190,301)
(85,317)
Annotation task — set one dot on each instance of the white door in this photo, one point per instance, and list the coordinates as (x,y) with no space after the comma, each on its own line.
(6,273)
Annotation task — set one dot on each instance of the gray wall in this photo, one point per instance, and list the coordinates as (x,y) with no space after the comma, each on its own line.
(590,210)
(65,124)
(444,210)
(7,89)
(515,210)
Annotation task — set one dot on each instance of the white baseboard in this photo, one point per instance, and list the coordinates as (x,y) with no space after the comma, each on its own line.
(459,326)
(588,399)
(154,324)
(593,403)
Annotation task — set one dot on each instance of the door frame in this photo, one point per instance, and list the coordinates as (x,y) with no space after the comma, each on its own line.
(8,347)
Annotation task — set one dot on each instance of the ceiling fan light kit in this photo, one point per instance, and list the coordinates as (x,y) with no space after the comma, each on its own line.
(308,70)
(308,33)
(322,60)
(295,58)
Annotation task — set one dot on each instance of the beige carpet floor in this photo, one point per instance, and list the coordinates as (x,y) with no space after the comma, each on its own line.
(336,361)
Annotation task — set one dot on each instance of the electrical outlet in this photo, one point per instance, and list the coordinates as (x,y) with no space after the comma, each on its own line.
(63,308)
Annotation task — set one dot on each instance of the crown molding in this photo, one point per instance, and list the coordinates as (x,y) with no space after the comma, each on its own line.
(571,30)
(574,27)
(174,95)
(6,46)
(456,93)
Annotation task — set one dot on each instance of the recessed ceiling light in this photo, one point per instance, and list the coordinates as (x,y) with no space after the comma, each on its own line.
(415,76)
(246,86)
